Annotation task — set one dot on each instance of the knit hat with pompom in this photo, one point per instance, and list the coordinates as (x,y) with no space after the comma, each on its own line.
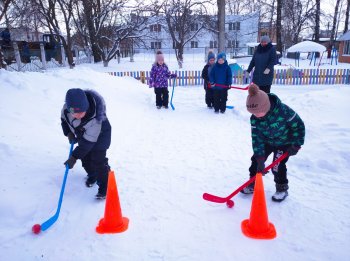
(159,56)
(257,101)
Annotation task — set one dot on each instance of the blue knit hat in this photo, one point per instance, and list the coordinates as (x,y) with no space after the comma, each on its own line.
(211,55)
(76,101)
(222,56)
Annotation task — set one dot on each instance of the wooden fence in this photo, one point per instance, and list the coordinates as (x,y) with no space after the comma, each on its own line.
(281,76)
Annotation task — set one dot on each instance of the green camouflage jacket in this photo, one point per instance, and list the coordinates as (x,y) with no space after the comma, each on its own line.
(281,126)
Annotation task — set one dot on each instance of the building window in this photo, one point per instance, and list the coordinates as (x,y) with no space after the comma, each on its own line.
(194,27)
(236,26)
(194,44)
(155,28)
(232,44)
(156,45)
(346,47)
(213,44)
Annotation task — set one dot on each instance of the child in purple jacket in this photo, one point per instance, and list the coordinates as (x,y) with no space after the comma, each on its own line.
(159,80)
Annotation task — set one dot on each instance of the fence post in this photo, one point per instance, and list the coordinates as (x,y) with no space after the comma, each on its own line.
(17,56)
(43,56)
(63,54)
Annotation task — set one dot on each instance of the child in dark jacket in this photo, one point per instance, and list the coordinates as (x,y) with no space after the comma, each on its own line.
(84,121)
(276,129)
(159,80)
(220,80)
(209,96)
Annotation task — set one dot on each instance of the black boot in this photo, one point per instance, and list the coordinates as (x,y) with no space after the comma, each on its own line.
(90,181)
(248,189)
(281,192)
(102,191)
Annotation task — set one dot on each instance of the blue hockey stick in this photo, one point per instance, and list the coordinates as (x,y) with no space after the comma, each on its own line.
(172,94)
(48,223)
(229,107)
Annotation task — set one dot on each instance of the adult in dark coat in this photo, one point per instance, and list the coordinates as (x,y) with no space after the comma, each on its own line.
(6,37)
(84,121)
(263,61)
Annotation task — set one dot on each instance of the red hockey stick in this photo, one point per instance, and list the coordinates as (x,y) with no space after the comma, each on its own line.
(218,199)
(229,87)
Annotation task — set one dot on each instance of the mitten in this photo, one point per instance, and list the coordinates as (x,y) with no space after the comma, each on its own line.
(71,137)
(293,150)
(173,75)
(267,71)
(70,162)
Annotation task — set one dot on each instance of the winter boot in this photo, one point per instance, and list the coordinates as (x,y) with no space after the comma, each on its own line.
(248,189)
(101,194)
(90,181)
(281,192)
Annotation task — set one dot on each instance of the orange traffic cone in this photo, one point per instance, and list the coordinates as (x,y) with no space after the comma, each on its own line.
(113,221)
(258,226)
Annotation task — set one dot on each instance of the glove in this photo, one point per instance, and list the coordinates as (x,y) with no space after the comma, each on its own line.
(260,165)
(71,137)
(173,75)
(267,71)
(293,150)
(70,162)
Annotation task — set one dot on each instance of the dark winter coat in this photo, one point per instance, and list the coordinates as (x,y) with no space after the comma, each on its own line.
(205,74)
(221,74)
(264,57)
(93,131)
(281,126)
(159,76)
(6,36)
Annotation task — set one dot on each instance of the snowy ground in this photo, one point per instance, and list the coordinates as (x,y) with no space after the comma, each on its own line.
(164,161)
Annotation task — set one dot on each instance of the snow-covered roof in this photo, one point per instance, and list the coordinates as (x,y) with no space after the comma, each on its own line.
(307,46)
(255,44)
(345,37)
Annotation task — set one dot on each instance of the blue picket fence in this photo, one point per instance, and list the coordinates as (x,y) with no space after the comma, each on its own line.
(281,76)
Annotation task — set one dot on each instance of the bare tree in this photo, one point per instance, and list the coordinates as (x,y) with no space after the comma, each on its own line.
(58,13)
(128,25)
(317,20)
(221,25)
(296,18)
(334,25)
(346,24)
(91,18)
(184,21)
(4,5)
(103,25)
(279,26)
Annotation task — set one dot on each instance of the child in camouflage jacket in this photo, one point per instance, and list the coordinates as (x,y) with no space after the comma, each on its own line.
(277,129)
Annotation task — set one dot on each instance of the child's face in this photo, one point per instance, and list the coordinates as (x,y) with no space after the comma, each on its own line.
(160,62)
(221,61)
(259,114)
(79,115)
(212,61)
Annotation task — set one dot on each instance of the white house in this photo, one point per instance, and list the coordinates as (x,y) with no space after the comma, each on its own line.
(239,31)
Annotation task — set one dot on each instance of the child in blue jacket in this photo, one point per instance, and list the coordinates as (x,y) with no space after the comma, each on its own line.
(220,80)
